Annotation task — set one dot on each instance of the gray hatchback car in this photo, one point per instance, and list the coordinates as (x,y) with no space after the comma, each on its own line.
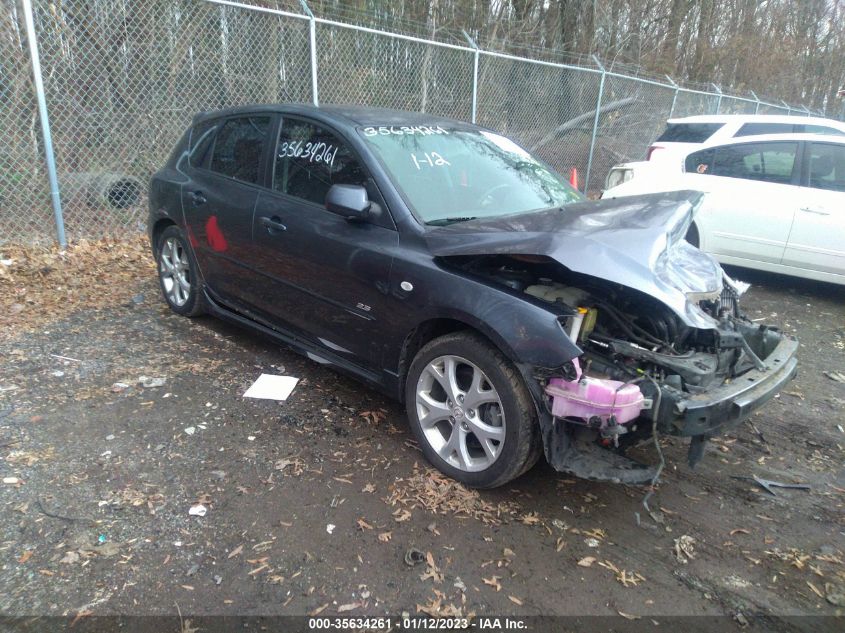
(442,264)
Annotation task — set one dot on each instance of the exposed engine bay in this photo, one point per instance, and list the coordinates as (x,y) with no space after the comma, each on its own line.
(640,363)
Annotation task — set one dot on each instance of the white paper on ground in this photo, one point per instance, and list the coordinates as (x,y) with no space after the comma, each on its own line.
(271,387)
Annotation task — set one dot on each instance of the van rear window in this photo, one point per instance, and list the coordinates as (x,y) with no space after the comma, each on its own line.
(688,132)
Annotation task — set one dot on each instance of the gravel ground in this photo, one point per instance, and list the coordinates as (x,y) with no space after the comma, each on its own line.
(313,503)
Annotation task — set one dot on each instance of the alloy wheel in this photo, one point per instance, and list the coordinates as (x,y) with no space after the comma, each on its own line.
(460,413)
(174,270)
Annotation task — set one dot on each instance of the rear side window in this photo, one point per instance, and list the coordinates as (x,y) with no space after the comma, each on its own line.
(310,159)
(239,146)
(755,129)
(688,132)
(202,140)
(827,166)
(767,162)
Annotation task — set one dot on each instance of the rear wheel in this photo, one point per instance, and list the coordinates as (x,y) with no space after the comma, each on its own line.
(177,273)
(471,412)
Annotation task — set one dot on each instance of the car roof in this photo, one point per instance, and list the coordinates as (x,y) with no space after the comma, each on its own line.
(348,115)
(756,118)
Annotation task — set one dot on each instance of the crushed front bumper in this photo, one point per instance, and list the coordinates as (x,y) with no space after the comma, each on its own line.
(718,410)
(574,449)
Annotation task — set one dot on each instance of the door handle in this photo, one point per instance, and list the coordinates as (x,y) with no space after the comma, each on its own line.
(814,211)
(273,225)
(198,198)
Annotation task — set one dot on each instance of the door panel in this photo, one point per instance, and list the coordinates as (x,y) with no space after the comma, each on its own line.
(746,219)
(752,198)
(817,239)
(325,277)
(219,200)
(328,276)
(218,212)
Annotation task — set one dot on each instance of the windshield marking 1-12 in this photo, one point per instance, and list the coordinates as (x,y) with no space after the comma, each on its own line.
(458,173)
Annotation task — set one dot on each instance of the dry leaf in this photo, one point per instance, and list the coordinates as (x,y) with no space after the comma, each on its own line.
(627,578)
(515,600)
(236,551)
(493,582)
(739,531)
(432,571)
(363,525)
(587,561)
(438,494)
(187,627)
(348,607)
(628,616)
(384,537)
(401,515)
(70,558)
(532,518)
(815,589)
(368,488)
(684,548)
(25,556)
(318,610)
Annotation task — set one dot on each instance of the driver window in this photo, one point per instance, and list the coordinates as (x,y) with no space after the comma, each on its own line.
(310,159)
(767,162)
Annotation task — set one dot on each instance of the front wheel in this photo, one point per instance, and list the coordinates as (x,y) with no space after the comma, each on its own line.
(471,412)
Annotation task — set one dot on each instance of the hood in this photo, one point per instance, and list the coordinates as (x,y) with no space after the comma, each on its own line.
(636,241)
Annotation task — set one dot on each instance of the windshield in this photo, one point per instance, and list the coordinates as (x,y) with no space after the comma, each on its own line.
(452,175)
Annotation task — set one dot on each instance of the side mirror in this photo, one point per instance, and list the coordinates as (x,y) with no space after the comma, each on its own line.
(349,201)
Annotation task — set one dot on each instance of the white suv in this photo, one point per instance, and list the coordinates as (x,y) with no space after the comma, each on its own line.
(681,136)
(774,202)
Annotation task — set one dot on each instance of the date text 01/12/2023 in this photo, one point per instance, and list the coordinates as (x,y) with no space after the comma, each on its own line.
(417,624)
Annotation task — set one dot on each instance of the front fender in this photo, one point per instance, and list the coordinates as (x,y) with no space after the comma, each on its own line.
(528,331)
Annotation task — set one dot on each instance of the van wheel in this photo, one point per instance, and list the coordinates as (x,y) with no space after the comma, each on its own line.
(471,411)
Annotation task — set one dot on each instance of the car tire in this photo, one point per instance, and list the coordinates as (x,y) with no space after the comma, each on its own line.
(482,460)
(178,274)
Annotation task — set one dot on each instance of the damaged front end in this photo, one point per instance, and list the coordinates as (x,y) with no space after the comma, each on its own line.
(664,347)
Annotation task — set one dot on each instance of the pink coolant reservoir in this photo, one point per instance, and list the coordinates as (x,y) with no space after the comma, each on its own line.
(587,398)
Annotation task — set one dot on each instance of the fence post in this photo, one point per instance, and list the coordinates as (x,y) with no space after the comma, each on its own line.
(474,46)
(788,107)
(595,123)
(312,35)
(719,102)
(757,99)
(47,137)
(674,97)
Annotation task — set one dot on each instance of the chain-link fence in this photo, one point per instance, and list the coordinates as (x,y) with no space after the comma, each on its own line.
(122,80)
